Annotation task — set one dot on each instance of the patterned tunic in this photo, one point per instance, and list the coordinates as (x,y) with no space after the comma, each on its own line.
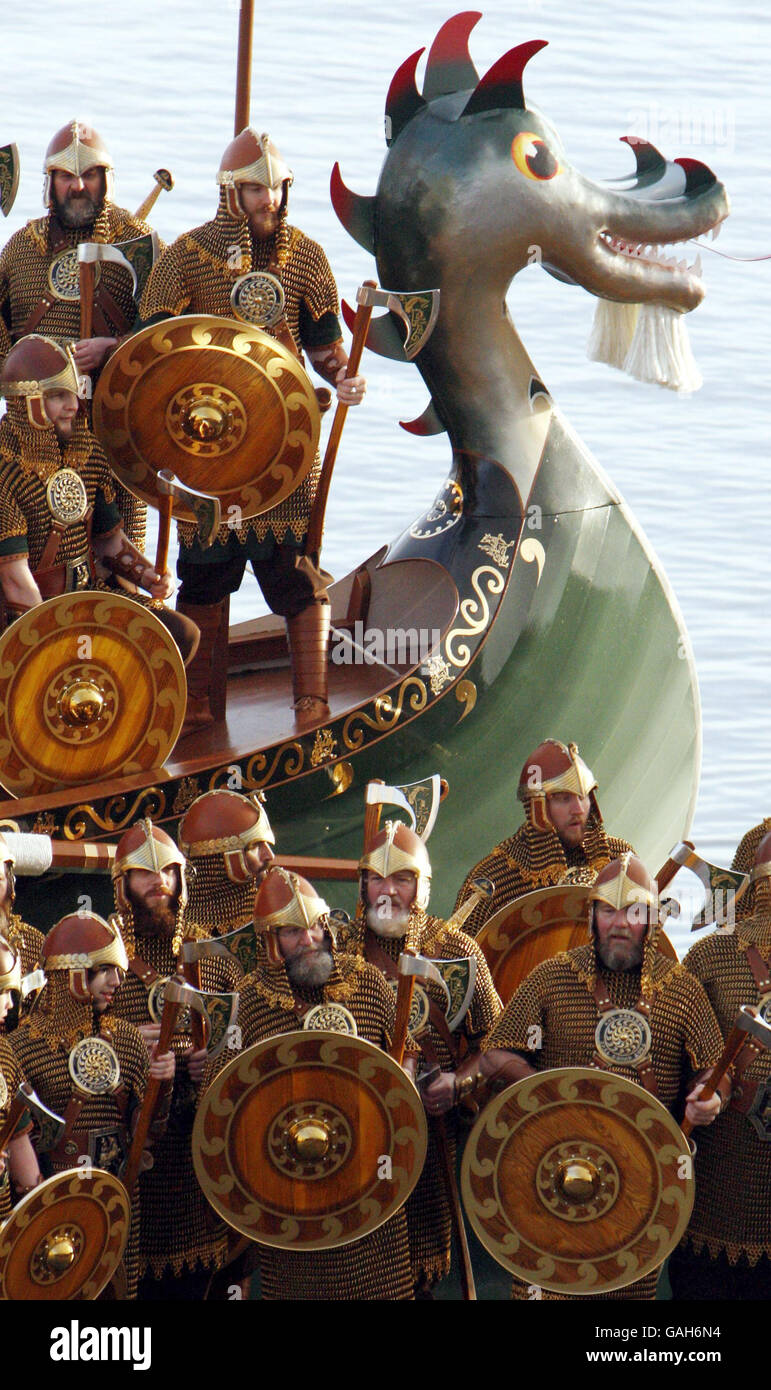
(532,859)
(196,275)
(99,1131)
(179,1229)
(557,1000)
(428,1208)
(733,1164)
(378,1265)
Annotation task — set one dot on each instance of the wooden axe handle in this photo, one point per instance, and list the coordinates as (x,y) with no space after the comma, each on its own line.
(244,66)
(468,1286)
(316,524)
(18,1106)
(192,973)
(667,871)
(165,505)
(734,1044)
(150,1102)
(86,273)
(404,992)
(372,817)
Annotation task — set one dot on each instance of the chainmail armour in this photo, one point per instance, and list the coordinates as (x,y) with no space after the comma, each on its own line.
(11,1077)
(557,999)
(532,859)
(377,1267)
(26,942)
(743,860)
(196,275)
(429,1220)
(179,1229)
(732,1212)
(42,1043)
(217,905)
(24,266)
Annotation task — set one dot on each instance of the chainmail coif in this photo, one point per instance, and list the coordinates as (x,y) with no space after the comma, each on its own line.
(531,859)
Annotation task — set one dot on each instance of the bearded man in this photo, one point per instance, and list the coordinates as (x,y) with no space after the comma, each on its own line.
(39,286)
(89,1068)
(563,839)
(552,1019)
(250,243)
(181,1243)
(228,839)
(395,886)
(58,516)
(300,968)
(726,1251)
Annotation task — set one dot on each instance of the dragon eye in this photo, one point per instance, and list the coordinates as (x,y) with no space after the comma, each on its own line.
(533,157)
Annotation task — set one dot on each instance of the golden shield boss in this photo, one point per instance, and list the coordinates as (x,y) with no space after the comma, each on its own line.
(64,275)
(577,1181)
(309,1140)
(258,298)
(331,1018)
(535,927)
(94,1066)
(92,686)
(227,408)
(66,496)
(66,1238)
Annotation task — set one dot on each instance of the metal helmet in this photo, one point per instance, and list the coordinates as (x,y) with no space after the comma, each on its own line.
(146,846)
(624,883)
(285,899)
(74,149)
(226,823)
(11,978)
(554,767)
(395,849)
(35,365)
(80,942)
(251,158)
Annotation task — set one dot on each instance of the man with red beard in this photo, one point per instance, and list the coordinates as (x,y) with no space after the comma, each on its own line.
(181,1243)
(562,840)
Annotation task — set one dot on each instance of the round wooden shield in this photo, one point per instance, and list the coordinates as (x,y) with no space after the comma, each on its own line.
(535,927)
(92,686)
(227,408)
(66,1238)
(577,1181)
(309,1140)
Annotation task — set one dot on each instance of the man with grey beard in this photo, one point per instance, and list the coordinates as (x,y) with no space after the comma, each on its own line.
(617,1004)
(302,980)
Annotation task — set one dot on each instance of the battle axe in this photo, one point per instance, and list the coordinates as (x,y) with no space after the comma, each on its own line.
(136,256)
(50,1125)
(205,508)
(748,1027)
(164,182)
(9,177)
(411,967)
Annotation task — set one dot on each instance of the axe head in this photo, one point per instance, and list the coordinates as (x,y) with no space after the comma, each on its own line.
(218,1011)
(417,310)
(165,179)
(748,1021)
(50,1125)
(205,508)
(136,256)
(422,969)
(9,177)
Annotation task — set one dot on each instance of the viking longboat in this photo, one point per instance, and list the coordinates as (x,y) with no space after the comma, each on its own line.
(528,569)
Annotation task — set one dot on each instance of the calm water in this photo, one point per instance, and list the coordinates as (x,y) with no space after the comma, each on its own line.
(157,80)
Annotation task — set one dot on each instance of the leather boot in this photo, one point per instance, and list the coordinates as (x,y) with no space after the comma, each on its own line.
(207,618)
(308,636)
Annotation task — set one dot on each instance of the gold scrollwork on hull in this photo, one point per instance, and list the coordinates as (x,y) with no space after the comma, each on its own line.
(475,613)
(386,714)
(118,813)
(466,693)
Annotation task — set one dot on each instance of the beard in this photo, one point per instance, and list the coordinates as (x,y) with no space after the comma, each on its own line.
(620,954)
(158,920)
(312,968)
(82,212)
(392,924)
